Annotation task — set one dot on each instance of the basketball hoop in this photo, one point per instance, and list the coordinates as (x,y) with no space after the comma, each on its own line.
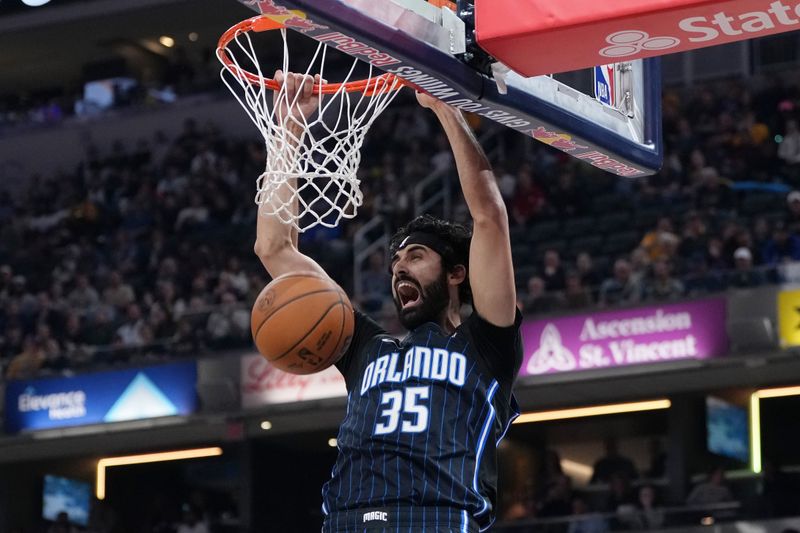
(311,179)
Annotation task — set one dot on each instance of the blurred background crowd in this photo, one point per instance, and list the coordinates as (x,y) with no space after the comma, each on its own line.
(145,251)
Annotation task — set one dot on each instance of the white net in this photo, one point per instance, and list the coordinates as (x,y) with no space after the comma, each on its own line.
(311,169)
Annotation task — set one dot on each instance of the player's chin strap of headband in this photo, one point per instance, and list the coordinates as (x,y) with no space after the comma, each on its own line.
(432,241)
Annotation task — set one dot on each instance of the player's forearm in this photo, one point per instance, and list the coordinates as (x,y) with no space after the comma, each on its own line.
(477,179)
(271,233)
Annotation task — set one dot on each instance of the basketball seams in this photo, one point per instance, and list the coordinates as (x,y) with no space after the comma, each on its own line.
(310,331)
(287,302)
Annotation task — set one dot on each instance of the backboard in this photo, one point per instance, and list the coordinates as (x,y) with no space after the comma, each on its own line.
(616,126)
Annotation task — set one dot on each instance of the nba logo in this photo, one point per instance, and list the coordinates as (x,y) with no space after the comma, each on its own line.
(605,84)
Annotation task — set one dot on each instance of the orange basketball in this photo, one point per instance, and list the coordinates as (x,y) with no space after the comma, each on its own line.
(302,322)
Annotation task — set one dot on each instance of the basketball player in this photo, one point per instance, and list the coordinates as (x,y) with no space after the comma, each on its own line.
(417,448)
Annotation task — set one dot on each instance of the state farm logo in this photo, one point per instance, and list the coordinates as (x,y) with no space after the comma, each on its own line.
(551,354)
(630,42)
(703,29)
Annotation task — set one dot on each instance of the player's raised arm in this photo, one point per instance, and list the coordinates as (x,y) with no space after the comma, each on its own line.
(276,241)
(491,272)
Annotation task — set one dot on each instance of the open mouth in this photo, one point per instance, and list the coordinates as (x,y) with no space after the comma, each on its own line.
(408,293)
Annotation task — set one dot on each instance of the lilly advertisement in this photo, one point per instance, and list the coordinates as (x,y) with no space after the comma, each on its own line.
(610,339)
(102,397)
(263,384)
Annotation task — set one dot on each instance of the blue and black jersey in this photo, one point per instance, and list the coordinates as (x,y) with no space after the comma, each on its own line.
(424,417)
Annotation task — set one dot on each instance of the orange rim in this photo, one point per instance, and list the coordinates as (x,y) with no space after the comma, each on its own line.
(370,87)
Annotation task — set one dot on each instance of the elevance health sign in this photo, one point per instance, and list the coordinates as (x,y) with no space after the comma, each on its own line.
(101,397)
(609,339)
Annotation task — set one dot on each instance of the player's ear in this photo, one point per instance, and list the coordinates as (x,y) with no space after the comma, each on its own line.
(457,275)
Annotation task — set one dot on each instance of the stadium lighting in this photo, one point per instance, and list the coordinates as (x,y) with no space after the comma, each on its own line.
(106,462)
(755,420)
(755,433)
(576,469)
(597,410)
(266,425)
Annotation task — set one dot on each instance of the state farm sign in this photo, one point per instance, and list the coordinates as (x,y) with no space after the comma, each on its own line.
(263,384)
(585,33)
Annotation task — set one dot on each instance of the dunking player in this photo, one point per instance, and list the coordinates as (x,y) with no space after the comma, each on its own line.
(417,449)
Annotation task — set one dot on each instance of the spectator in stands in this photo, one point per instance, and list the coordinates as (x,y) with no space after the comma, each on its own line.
(695,237)
(27,363)
(505,180)
(557,500)
(553,271)
(590,278)
(235,276)
(192,522)
(621,288)
(83,297)
(640,266)
(793,212)
(134,332)
(612,463)
(537,300)
(62,524)
(159,323)
(621,495)
(74,338)
(710,194)
(6,274)
(54,357)
(647,514)
(528,198)
(193,217)
(549,473)
(117,293)
(583,521)
(102,329)
(188,339)
(662,286)
(565,197)
(522,502)
(782,247)
(229,323)
(375,283)
(713,490)
(789,148)
(744,275)
(657,241)
(12,343)
(658,460)
(576,296)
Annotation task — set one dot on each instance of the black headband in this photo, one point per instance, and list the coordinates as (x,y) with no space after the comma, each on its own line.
(432,241)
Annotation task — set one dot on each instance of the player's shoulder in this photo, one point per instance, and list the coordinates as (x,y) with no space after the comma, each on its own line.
(476,322)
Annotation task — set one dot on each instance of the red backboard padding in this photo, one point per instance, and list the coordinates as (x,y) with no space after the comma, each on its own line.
(536,37)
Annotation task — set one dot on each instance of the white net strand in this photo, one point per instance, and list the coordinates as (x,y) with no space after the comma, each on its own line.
(311,180)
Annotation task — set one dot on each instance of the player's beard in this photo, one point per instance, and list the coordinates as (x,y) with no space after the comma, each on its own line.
(434,301)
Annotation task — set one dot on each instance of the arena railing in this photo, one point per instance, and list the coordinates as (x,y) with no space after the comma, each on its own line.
(628,518)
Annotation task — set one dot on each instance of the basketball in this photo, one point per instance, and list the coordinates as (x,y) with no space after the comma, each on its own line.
(302,322)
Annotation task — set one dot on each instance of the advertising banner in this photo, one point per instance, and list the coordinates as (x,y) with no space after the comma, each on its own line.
(608,339)
(263,384)
(101,397)
(789,318)
(585,33)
